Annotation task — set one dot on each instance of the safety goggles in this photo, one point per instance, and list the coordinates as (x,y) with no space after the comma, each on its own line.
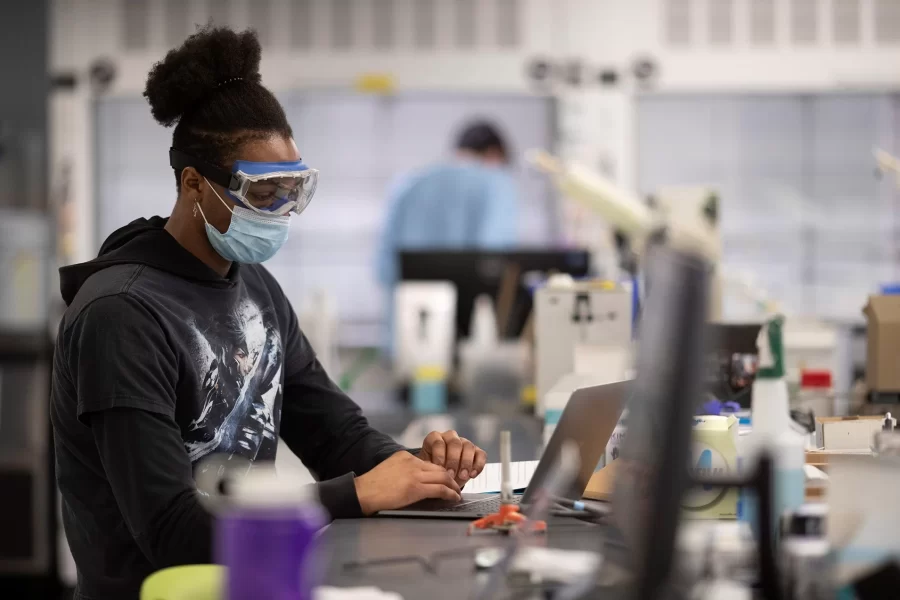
(269,188)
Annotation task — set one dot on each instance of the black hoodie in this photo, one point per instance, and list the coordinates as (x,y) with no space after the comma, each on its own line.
(160,362)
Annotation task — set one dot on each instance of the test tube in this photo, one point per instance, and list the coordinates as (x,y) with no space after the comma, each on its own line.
(505,482)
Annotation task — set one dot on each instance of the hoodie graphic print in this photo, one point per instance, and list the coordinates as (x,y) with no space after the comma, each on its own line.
(239,356)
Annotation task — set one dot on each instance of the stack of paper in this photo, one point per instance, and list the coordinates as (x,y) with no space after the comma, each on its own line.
(488,481)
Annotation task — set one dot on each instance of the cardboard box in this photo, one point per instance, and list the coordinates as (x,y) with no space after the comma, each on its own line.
(883,351)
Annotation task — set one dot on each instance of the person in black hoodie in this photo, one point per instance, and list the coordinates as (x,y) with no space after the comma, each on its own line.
(176,344)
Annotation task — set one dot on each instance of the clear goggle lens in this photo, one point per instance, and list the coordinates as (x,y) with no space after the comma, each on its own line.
(279,194)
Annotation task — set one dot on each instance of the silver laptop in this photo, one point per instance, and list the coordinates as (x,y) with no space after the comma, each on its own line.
(589,420)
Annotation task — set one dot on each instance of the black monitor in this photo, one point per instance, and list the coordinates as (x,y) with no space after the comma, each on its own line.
(652,473)
(477,272)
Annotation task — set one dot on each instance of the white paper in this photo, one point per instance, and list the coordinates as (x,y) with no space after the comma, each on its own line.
(355,593)
(488,481)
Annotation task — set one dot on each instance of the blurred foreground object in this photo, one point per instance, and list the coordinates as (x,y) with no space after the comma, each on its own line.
(266,530)
(862,527)
(650,476)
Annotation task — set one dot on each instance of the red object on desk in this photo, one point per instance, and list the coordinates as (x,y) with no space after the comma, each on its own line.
(506,520)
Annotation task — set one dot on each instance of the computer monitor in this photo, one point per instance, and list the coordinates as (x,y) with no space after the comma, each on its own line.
(652,473)
(476,272)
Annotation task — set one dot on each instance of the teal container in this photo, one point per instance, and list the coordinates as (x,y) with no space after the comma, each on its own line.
(428,395)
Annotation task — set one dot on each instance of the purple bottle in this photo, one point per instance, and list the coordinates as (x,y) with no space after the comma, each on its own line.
(267,538)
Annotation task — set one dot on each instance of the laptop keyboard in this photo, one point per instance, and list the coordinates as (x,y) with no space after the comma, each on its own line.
(486,506)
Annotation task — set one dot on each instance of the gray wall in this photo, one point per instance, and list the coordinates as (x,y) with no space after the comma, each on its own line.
(23,103)
(802,211)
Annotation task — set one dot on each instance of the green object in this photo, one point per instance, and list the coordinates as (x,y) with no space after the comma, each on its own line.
(190,582)
(365,360)
(770,344)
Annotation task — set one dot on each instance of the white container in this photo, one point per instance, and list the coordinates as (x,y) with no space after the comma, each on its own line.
(424,327)
(570,314)
(816,393)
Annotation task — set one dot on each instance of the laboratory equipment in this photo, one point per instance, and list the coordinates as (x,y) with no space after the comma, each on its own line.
(508,517)
(559,474)
(586,317)
(686,218)
(816,393)
(423,327)
(474,273)
(772,428)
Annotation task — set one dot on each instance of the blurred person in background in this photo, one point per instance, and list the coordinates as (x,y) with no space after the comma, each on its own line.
(468,203)
(177,344)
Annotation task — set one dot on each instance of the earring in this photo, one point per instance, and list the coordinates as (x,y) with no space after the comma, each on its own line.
(195,209)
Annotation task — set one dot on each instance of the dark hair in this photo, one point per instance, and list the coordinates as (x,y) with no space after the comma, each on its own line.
(480,137)
(211,87)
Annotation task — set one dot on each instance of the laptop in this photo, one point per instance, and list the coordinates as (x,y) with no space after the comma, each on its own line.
(589,419)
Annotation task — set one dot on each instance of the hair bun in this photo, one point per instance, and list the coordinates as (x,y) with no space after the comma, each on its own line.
(190,73)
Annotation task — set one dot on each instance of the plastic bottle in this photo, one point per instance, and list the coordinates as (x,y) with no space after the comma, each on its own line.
(771,430)
(266,536)
(816,392)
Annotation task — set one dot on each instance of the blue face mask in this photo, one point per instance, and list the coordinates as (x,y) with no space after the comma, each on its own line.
(251,237)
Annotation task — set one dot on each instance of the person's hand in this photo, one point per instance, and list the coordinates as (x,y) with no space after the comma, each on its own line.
(462,459)
(401,480)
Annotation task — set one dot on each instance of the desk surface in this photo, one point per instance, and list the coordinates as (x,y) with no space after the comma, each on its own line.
(456,578)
